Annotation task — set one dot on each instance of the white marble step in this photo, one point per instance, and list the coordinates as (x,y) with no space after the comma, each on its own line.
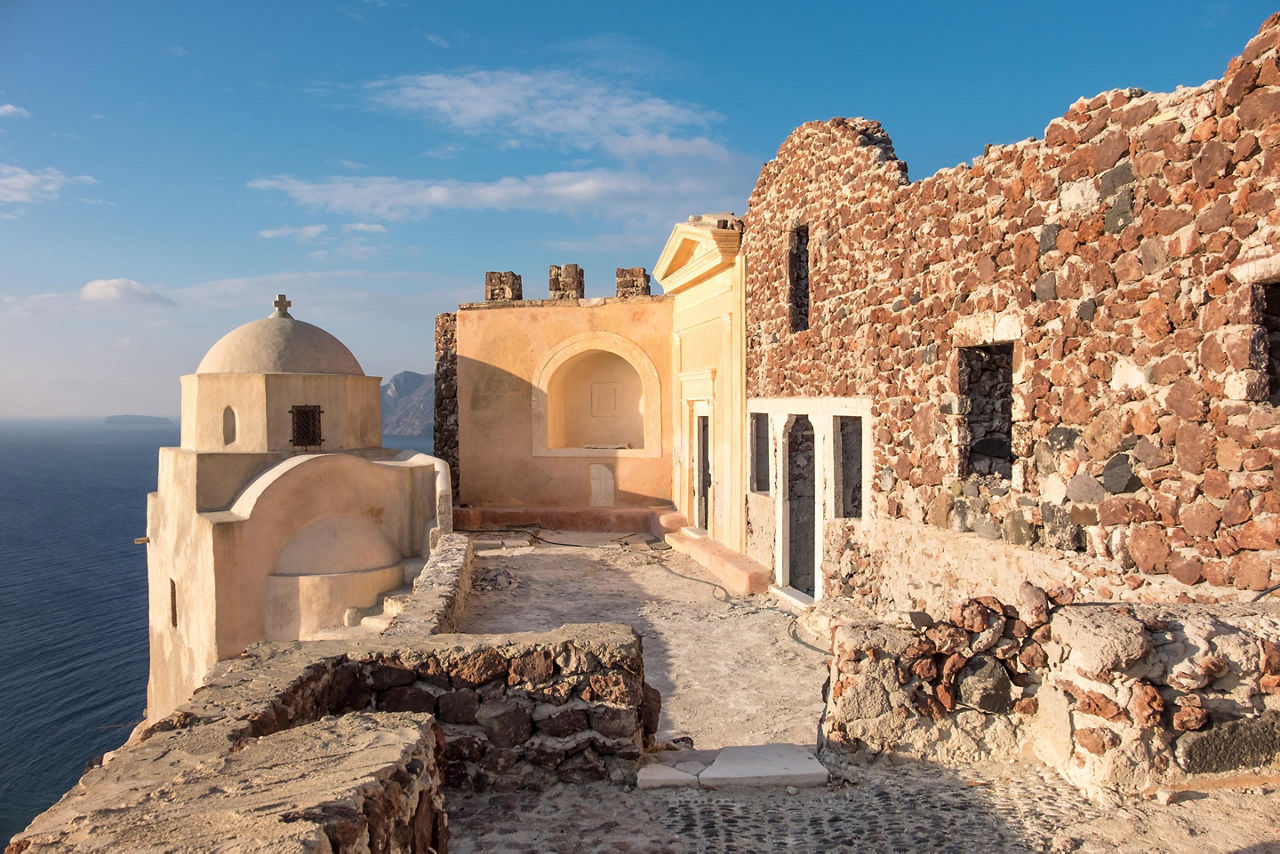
(757,765)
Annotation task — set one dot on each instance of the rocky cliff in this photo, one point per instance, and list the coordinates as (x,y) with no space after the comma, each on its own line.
(408,404)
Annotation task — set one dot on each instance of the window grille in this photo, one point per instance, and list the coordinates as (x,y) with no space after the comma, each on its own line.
(306,427)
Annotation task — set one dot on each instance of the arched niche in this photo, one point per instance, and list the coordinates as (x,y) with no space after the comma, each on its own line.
(228,425)
(595,400)
(597,394)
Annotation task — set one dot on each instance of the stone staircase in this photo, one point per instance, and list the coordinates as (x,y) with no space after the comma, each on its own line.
(373,621)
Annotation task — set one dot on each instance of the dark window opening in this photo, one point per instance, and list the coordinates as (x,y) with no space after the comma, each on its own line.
(850,465)
(1271,331)
(986,382)
(173,604)
(306,426)
(759,452)
(798,277)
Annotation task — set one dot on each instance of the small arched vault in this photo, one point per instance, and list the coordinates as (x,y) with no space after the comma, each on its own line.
(597,394)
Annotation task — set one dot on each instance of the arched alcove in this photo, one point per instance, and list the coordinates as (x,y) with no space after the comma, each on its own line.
(595,400)
(228,426)
(597,394)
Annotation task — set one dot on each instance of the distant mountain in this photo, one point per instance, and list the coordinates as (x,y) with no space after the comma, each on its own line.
(132,420)
(408,404)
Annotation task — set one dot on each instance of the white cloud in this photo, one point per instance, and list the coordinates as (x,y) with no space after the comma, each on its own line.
(397,198)
(20,185)
(353,165)
(176,50)
(9,111)
(302,233)
(370,227)
(121,291)
(549,106)
(655,197)
(437,40)
(442,152)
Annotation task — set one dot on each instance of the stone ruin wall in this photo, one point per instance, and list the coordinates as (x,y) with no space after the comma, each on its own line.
(444,437)
(1117,256)
(1122,699)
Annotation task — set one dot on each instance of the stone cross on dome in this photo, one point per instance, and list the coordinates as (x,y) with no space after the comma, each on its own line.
(282,306)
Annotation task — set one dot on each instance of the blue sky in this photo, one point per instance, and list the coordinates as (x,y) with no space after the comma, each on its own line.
(167,167)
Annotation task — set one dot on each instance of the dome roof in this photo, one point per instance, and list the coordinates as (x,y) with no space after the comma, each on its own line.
(279,345)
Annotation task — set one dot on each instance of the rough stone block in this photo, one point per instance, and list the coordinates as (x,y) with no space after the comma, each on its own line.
(1231,745)
(506,723)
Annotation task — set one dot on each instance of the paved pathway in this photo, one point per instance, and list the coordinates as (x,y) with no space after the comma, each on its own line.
(730,674)
(727,669)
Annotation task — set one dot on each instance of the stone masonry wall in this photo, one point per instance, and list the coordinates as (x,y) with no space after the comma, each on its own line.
(565,282)
(445,430)
(1121,257)
(1121,699)
(632,282)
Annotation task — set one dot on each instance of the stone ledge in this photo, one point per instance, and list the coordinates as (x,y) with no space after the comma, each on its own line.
(439,591)
(358,782)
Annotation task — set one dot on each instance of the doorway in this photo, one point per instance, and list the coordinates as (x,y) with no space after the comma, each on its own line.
(702,472)
(801,493)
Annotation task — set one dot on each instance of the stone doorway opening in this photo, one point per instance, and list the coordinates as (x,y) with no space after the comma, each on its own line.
(702,472)
(801,492)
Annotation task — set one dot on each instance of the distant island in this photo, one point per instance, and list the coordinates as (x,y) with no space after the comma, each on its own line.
(408,404)
(135,420)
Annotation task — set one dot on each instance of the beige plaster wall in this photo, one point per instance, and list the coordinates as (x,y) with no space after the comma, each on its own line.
(351,407)
(596,400)
(702,269)
(221,562)
(300,605)
(707,351)
(180,550)
(503,348)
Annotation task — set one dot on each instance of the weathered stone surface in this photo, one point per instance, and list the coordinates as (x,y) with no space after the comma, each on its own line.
(348,783)
(506,723)
(1086,489)
(1118,476)
(1060,532)
(1145,705)
(1189,718)
(1231,745)
(984,684)
(1097,740)
(459,707)
(1101,640)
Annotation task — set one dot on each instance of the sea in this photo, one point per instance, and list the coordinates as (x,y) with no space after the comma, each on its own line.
(73,598)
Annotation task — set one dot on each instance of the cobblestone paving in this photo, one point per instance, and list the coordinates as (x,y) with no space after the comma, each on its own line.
(912,808)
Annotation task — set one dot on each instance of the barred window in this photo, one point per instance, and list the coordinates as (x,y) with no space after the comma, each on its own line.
(306,426)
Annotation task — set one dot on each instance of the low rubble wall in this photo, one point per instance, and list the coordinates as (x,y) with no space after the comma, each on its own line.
(1121,699)
(439,592)
(353,741)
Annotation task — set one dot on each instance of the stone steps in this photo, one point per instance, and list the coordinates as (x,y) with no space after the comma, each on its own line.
(756,766)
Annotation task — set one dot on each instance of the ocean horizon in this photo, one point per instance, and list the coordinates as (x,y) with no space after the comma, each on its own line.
(73,589)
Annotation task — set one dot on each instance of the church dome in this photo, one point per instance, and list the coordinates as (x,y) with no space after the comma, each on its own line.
(279,345)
